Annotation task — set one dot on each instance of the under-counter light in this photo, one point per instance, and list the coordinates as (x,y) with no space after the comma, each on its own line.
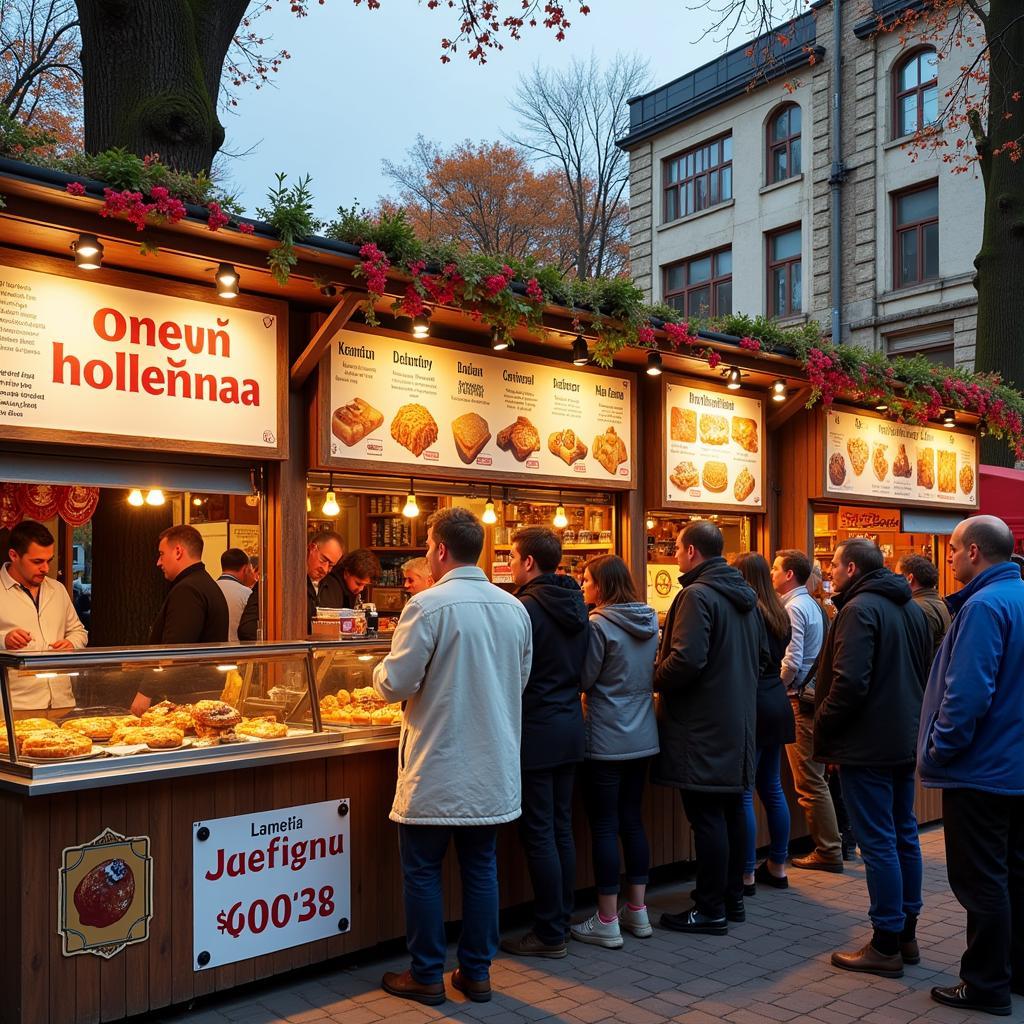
(654,364)
(135,498)
(155,497)
(88,250)
(227,281)
(580,352)
(227,668)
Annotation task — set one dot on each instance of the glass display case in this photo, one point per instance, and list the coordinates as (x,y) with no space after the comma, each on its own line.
(343,683)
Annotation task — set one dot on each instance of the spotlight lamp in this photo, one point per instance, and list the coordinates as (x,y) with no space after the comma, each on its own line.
(227,281)
(328,291)
(155,497)
(421,325)
(779,391)
(982,430)
(411,509)
(580,352)
(733,378)
(499,339)
(654,364)
(135,498)
(949,419)
(88,250)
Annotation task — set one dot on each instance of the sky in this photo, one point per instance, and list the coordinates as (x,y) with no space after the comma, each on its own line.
(361,84)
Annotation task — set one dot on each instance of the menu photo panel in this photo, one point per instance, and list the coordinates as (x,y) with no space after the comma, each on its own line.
(438,409)
(871,457)
(714,447)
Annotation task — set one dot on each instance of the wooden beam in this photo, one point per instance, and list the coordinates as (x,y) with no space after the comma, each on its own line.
(312,353)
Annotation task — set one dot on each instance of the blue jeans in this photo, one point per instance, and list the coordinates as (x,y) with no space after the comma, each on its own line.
(776,809)
(614,794)
(880,802)
(422,849)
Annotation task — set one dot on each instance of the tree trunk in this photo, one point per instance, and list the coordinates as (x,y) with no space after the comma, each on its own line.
(1000,263)
(151,76)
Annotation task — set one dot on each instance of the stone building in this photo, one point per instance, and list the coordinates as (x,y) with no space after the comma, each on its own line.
(732,188)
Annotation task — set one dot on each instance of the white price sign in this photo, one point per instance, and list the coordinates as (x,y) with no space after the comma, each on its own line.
(269,881)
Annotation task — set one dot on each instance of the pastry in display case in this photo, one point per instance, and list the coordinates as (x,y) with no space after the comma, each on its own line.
(343,676)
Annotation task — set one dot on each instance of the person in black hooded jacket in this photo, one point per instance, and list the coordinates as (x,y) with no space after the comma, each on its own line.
(713,650)
(553,735)
(870,684)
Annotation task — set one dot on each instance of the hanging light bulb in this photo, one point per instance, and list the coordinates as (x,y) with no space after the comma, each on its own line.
(733,378)
(499,340)
(654,364)
(330,507)
(561,520)
(421,325)
(411,509)
(155,497)
(135,498)
(580,352)
(197,501)
(949,419)
(779,391)
(490,517)
(88,250)
(650,523)
(227,281)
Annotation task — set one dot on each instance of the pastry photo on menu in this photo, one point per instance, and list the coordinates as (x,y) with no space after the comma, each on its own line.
(352,422)
(947,472)
(684,476)
(714,429)
(471,433)
(567,446)
(684,424)
(966,479)
(857,449)
(901,466)
(879,463)
(837,469)
(715,476)
(610,450)
(520,438)
(414,428)
(744,432)
(926,468)
(744,485)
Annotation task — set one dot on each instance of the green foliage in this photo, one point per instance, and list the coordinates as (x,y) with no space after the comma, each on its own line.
(21,142)
(290,214)
(390,231)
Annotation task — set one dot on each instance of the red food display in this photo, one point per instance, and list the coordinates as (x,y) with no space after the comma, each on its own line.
(104,895)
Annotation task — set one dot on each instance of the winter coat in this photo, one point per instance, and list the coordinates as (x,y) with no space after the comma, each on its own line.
(872,674)
(775,725)
(972,721)
(552,716)
(460,658)
(330,594)
(936,612)
(194,611)
(618,678)
(712,650)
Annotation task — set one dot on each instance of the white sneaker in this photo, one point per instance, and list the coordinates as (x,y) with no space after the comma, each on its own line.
(636,922)
(597,933)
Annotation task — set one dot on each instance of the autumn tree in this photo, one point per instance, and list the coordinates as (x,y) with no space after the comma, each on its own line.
(570,120)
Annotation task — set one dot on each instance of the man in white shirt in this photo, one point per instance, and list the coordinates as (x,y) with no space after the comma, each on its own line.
(36,614)
(790,572)
(235,581)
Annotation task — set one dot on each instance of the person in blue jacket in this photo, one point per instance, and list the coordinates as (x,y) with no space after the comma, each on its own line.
(971,746)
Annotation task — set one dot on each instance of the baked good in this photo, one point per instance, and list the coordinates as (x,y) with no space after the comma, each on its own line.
(857,449)
(414,428)
(744,485)
(99,729)
(104,895)
(684,476)
(714,429)
(715,476)
(744,432)
(215,714)
(520,438)
(901,466)
(471,434)
(158,737)
(178,716)
(232,692)
(567,446)
(836,469)
(947,472)
(263,728)
(610,450)
(25,725)
(879,463)
(926,467)
(351,423)
(966,479)
(684,424)
(55,743)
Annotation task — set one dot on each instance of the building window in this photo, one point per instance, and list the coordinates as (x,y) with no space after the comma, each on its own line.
(916,235)
(784,272)
(784,144)
(935,343)
(697,179)
(701,286)
(916,91)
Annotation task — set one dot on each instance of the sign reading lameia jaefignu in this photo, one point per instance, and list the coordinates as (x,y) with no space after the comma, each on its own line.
(126,365)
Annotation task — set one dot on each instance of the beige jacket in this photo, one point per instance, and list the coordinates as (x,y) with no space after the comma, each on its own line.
(460,658)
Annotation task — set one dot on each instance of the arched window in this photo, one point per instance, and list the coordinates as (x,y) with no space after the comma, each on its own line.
(916,92)
(784,143)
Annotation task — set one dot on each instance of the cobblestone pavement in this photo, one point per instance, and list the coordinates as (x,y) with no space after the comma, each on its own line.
(774,967)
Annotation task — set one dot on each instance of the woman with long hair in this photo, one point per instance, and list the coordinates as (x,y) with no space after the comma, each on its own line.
(775,728)
(621,738)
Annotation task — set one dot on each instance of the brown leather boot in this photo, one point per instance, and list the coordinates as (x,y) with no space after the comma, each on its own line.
(478,991)
(910,952)
(868,960)
(405,986)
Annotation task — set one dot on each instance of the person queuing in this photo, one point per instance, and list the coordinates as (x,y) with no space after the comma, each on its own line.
(323,588)
(1018,560)
(460,659)
(356,571)
(36,614)
(971,746)
(416,576)
(553,741)
(236,581)
(709,661)
(621,737)
(871,679)
(775,729)
(923,576)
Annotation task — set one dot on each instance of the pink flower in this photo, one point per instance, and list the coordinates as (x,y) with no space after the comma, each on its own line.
(218,218)
(75,188)
(645,337)
(534,291)
(713,358)
(246,229)
(750,344)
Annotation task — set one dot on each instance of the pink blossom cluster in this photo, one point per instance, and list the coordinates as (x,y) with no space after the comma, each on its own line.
(75,188)
(442,288)
(679,334)
(645,337)
(217,218)
(534,292)
(750,344)
(827,376)
(165,207)
(126,204)
(375,268)
(494,284)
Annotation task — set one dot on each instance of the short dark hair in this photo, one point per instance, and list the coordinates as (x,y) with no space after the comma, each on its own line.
(187,536)
(797,563)
(612,578)
(540,543)
(705,537)
(233,559)
(28,531)
(864,553)
(994,540)
(460,532)
(924,570)
(1019,560)
(324,536)
(362,563)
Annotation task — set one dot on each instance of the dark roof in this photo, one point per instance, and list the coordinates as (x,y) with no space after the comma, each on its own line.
(882,14)
(722,79)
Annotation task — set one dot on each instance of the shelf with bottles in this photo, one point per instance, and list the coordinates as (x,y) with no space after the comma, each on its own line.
(387,529)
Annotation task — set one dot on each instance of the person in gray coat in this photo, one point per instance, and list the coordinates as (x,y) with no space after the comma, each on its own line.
(621,737)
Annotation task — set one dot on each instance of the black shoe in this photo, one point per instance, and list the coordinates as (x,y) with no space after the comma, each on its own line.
(956,995)
(765,877)
(695,922)
(735,910)
(750,888)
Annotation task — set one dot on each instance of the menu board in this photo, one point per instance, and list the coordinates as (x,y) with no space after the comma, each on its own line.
(873,457)
(714,443)
(424,407)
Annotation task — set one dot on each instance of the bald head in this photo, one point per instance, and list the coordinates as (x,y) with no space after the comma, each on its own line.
(977,544)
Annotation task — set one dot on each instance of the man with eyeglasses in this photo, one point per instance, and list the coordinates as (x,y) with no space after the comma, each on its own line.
(323,589)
